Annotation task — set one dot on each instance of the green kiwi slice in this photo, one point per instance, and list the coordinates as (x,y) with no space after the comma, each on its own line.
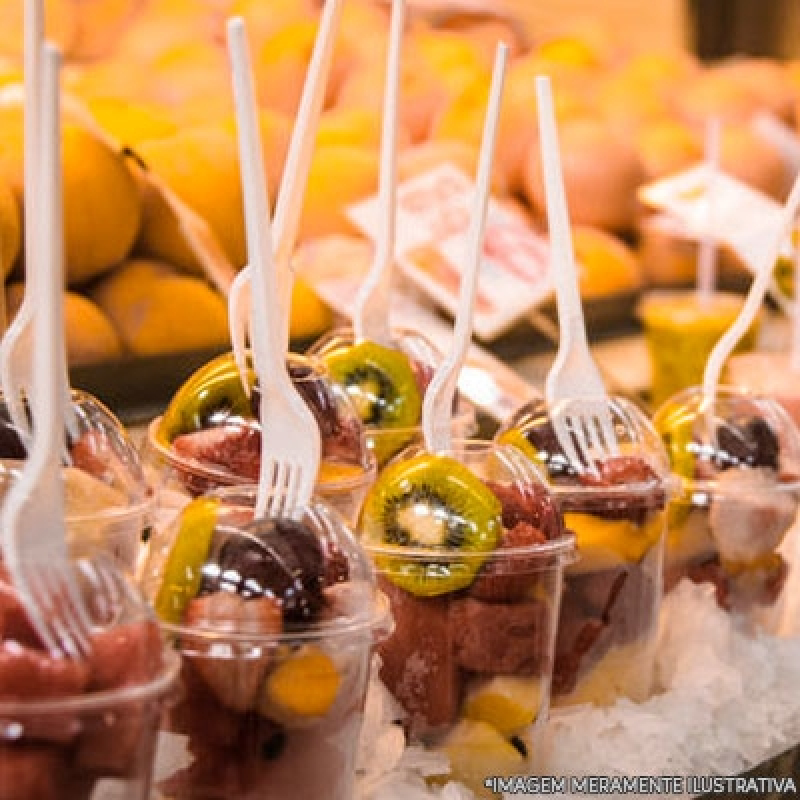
(381,383)
(183,567)
(215,387)
(434,503)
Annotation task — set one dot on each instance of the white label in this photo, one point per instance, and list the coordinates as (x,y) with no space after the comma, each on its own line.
(721,208)
(433,216)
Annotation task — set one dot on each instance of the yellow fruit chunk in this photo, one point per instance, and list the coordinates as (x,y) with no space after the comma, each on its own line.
(305,685)
(309,316)
(182,574)
(332,472)
(157,311)
(508,703)
(605,543)
(102,207)
(476,751)
(131,123)
(607,265)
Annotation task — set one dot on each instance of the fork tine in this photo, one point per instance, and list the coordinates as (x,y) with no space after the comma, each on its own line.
(607,429)
(29,586)
(293,484)
(592,425)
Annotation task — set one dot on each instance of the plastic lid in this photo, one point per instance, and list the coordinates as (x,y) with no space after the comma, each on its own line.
(711,438)
(218,570)
(105,476)
(640,466)
(432,521)
(213,399)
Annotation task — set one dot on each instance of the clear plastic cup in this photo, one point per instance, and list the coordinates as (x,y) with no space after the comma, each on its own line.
(388,392)
(109,503)
(470,549)
(768,374)
(210,437)
(737,457)
(681,330)
(80,730)
(616,508)
(275,621)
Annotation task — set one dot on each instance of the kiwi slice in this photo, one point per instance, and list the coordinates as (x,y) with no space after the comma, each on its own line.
(431,503)
(214,389)
(183,568)
(380,382)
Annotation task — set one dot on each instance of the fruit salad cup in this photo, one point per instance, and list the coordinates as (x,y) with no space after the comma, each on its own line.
(681,330)
(83,729)
(275,621)
(616,508)
(387,386)
(737,456)
(108,501)
(470,549)
(210,435)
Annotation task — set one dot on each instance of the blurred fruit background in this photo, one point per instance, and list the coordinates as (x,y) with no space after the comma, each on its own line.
(149,128)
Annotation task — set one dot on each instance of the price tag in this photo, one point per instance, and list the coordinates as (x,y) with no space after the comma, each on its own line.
(433,215)
(719,207)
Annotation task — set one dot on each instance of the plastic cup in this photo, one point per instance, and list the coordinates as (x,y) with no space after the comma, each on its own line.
(275,622)
(83,730)
(681,330)
(109,503)
(615,505)
(768,374)
(737,457)
(471,655)
(211,407)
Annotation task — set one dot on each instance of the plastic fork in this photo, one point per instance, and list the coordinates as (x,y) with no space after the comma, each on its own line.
(437,407)
(371,309)
(33,528)
(16,348)
(755,296)
(290,438)
(584,429)
(290,196)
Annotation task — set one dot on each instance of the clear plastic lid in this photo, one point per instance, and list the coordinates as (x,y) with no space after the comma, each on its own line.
(434,522)
(103,470)
(217,569)
(713,441)
(211,425)
(640,466)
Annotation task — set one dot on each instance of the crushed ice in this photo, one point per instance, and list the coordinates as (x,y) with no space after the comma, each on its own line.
(727,700)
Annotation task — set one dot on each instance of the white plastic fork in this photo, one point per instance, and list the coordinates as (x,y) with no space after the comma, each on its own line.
(33,527)
(289,203)
(755,296)
(371,309)
(290,438)
(16,347)
(437,407)
(583,424)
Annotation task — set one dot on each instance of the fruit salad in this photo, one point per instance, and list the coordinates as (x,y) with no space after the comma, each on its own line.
(469,547)
(275,620)
(71,727)
(387,386)
(737,456)
(108,501)
(210,436)
(616,507)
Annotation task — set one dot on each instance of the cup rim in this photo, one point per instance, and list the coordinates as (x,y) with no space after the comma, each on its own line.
(226,478)
(160,686)
(377,621)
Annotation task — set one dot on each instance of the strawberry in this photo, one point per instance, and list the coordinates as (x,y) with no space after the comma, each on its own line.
(126,655)
(236,448)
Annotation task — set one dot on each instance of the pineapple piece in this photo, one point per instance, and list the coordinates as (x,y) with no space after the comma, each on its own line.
(508,703)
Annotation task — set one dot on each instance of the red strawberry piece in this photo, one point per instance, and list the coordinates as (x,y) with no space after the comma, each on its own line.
(533,505)
(34,772)
(14,623)
(506,578)
(26,673)
(233,676)
(235,448)
(501,638)
(126,655)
